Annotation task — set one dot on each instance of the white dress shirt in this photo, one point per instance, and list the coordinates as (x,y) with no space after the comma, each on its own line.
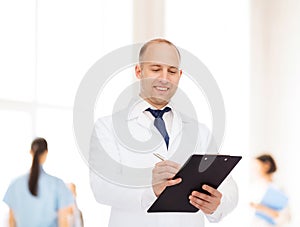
(129,194)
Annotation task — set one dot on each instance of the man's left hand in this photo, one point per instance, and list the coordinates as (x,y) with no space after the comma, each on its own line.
(207,203)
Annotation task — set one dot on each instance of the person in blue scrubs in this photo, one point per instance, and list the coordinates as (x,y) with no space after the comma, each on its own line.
(272,204)
(38,199)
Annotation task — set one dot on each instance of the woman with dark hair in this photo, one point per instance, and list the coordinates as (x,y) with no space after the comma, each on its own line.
(272,208)
(268,166)
(38,199)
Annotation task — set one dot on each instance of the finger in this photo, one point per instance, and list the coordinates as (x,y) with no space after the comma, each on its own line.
(168,163)
(159,181)
(173,182)
(205,209)
(169,169)
(163,176)
(199,201)
(211,200)
(202,196)
(196,200)
(195,205)
(205,206)
(212,191)
(161,170)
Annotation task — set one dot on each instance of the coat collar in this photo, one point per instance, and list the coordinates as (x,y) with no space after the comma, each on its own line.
(138,107)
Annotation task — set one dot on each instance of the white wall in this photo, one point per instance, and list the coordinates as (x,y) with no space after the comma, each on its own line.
(275,89)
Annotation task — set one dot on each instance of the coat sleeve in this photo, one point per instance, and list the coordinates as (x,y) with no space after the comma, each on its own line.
(105,191)
(228,188)
(229,200)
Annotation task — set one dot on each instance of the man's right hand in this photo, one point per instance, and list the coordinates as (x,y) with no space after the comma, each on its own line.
(162,175)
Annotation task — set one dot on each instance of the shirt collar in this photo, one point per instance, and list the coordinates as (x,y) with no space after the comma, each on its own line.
(42,169)
(140,105)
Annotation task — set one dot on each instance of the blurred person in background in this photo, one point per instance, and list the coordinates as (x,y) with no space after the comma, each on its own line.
(38,199)
(271,202)
(75,214)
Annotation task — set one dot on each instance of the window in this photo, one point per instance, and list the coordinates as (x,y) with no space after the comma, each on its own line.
(46,49)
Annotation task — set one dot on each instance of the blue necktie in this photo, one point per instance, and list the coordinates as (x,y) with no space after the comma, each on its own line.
(159,122)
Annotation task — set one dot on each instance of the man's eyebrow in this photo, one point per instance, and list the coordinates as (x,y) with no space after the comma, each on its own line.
(159,65)
(155,65)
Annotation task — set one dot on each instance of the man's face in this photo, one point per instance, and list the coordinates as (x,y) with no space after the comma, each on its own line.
(159,74)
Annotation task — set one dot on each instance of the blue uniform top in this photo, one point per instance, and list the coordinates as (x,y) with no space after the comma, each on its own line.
(40,210)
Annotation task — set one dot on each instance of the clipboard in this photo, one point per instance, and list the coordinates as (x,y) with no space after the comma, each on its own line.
(197,170)
(274,199)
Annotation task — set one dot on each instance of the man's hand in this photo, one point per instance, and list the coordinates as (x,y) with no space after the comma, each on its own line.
(207,203)
(162,175)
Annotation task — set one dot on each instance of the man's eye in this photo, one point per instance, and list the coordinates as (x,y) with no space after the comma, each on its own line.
(172,72)
(155,70)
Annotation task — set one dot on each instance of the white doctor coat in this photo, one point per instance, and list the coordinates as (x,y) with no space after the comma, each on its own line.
(121,177)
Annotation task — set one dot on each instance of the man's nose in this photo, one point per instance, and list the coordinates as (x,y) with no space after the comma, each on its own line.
(163,77)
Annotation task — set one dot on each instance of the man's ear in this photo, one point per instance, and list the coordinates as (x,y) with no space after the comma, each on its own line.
(138,71)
